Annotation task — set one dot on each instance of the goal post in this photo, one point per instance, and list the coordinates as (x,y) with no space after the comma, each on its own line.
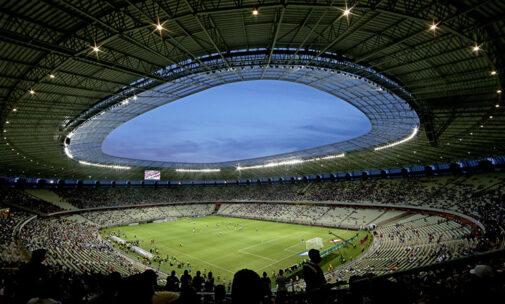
(315,243)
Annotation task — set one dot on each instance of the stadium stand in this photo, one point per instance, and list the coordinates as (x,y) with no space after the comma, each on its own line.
(428,75)
(9,222)
(403,239)
(23,200)
(50,197)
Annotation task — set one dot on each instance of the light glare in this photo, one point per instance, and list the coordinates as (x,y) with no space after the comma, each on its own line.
(198,170)
(104,166)
(412,135)
(291,162)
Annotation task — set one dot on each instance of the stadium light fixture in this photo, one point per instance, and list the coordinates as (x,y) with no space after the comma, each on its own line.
(291,162)
(434,26)
(493,73)
(95,49)
(82,162)
(68,153)
(476,48)
(52,76)
(198,170)
(255,12)
(412,135)
(31,92)
(498,92)
(14,110)
(347,11)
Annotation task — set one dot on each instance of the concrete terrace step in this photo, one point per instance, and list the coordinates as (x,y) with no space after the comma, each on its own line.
(50,197)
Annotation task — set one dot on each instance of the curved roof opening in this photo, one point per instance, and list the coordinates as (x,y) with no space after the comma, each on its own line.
(238,121)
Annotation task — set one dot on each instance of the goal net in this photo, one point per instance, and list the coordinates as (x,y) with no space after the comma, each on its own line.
(315,243)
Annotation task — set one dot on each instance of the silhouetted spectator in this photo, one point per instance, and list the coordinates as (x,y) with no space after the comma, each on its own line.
(246,288)
(219,294)
(282,290)
(198,281)
(31,276)
(209,284)
(314,278)
(172,282)
(136,289)
(188,295)
(185,280)
(266,285)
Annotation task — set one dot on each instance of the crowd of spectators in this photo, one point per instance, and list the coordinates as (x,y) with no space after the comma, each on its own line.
(472,281)
(90,268)
(18,197)
(9,220)
(73,243)
(479,196)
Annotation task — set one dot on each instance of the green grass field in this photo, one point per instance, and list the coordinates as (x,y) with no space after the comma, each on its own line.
(272,247)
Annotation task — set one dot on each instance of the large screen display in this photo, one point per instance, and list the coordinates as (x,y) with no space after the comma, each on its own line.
(152,175)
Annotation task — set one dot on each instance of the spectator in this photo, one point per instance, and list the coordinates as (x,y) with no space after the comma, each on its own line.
(185,280)
(209,284)
(198,281)
(32,275)
(282,289)
(314,278)
(246,288)
(266,285)
(172,282)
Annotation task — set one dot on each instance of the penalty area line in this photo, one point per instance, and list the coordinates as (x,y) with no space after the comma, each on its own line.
(208,263)
(258,256)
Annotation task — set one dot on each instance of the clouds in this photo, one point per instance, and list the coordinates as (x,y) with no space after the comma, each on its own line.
(238,121)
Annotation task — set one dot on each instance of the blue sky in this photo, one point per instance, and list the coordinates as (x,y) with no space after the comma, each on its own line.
(238,121)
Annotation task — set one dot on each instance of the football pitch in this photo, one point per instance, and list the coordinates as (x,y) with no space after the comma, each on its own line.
(218,244)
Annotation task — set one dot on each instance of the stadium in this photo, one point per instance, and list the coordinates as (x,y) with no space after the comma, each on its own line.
(410,211)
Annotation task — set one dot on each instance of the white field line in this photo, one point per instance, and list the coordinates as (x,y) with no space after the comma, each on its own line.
(244,251)
(206,262)
(288,249)
(258,256)
(266,266)
(272,240)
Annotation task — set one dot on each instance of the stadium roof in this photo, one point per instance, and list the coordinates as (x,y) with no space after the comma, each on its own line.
(65,62)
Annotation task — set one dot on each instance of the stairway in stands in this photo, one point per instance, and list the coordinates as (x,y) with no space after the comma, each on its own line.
(50,197)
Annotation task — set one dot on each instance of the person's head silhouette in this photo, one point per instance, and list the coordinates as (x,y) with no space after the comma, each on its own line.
(314,256)
(246,288)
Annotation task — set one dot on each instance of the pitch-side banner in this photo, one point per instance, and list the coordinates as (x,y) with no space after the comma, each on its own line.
(152,175)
